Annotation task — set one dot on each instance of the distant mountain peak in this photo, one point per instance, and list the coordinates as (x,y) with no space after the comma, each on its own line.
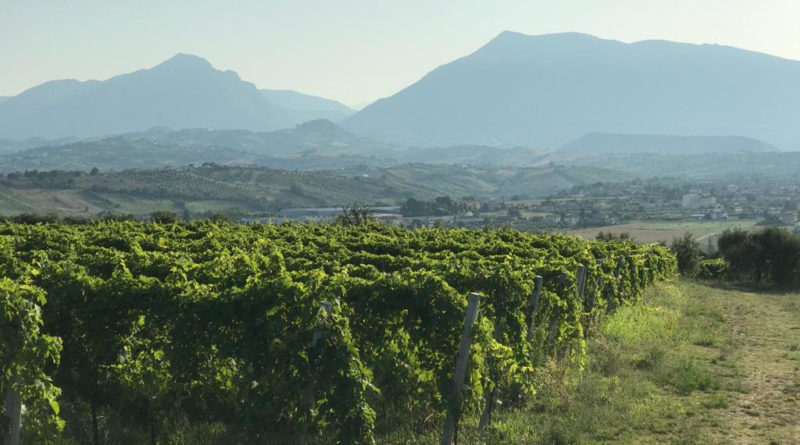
(546,90)
(323,127)
(184,61)
(184,91)
(515,38)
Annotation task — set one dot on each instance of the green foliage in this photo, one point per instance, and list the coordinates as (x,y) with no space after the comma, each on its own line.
(713,269)
(205,328)
(25,355)
(610,236)
(688,253)
(442,205)
(164,217)
(770,256)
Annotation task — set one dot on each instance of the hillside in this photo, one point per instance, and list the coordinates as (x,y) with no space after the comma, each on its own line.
(247,190)
(772,165)
(305,107)
(183,92)
(551,89)
(314,144)
(600,143)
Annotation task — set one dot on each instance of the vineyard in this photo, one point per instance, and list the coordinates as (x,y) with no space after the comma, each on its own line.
(123,332)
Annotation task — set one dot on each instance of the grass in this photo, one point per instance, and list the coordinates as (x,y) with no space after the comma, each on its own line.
(690,364)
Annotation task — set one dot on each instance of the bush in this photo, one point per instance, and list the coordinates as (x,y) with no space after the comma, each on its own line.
(715,269)
(770,256)
(164,217)
(687,250)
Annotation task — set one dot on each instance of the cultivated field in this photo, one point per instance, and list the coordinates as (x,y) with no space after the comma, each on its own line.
(653,232)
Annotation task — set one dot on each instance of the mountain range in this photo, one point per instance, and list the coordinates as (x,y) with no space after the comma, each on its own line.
(516,91)
(551,89)
(183,92)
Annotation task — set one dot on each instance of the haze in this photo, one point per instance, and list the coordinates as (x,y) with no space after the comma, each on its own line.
(353,51)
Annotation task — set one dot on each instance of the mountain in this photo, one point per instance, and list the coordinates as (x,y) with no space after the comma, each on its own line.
(305,107)
(551,89)
(182,92)
(600,143)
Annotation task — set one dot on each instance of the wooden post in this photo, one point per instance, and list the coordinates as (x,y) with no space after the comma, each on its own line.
(534,305)
(580,275)
(454,405)
(490,396)
(320,329)
(308,392)
(600,285)
(14,414)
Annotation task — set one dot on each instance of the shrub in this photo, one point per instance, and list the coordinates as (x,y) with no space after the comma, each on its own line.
(687,250)
(715,269)
(164,217)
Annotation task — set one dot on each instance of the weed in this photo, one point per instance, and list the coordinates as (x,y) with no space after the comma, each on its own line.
(688,377)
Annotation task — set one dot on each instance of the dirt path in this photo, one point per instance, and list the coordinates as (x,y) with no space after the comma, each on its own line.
(765,331)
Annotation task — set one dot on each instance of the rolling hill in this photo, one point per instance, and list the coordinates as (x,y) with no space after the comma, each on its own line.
(206,188)
(600,143)
(551,89)
(311,145)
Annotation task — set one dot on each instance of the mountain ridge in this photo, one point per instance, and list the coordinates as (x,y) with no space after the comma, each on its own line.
(184,91)
(615,143)
(548,90)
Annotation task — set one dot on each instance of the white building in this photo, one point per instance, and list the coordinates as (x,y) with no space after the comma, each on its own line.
(696,201)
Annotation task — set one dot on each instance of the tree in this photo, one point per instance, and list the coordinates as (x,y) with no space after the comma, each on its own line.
(164,217)
(355,215)
(687,250)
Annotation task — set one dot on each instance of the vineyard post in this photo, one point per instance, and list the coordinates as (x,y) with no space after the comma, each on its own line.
(581,277)
(551,331)
(534,305)
(491,396)
(454,405)
(316,336)
(600,284)
(320,329)
(14,414)
(612,301)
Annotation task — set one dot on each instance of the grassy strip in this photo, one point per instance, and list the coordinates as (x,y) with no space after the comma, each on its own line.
(661,371)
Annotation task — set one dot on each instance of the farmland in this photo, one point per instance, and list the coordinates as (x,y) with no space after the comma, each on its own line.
(657,231)
(259,191)
(221,333)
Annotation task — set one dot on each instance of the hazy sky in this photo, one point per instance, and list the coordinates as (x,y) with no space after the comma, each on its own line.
(350,50)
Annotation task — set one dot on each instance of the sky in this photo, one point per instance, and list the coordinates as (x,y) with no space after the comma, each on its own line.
(354,51)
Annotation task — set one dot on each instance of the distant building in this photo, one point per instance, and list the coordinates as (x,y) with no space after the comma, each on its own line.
(697,201)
